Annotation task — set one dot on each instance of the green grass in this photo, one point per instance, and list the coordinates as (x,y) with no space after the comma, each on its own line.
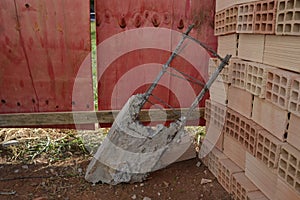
(94,64)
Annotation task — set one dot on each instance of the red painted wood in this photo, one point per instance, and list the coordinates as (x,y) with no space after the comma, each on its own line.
(43,44)
(118,80)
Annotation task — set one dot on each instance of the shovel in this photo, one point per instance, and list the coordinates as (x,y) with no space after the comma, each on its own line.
(131,150)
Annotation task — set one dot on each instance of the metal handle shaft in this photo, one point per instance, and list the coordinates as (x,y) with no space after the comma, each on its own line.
(166,65)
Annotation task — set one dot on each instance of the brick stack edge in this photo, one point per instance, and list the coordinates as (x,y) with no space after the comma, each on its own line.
(257,153)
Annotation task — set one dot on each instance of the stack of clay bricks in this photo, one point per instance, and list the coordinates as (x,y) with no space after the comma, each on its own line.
(253,115)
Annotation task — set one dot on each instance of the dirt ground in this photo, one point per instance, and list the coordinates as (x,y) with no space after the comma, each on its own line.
(66,181)
(31,171)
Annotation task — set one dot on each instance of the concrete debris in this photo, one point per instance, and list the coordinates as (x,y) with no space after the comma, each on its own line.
(25,167)
(131,150)
(198,164)
(133,196)
(205,181)
(146,198)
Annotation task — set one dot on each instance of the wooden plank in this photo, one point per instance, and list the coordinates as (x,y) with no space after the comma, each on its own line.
(86,117)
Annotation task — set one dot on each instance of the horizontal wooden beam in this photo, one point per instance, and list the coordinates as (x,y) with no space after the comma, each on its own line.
(88,117)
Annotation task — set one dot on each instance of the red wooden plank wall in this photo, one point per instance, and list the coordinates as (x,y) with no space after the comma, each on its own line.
(134,38)
(43,46)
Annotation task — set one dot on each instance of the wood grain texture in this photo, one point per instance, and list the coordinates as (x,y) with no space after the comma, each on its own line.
(62,118)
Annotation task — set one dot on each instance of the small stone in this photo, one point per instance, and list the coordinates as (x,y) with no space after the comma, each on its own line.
(133,196)
(25,167)
(136,186)
(205,181)
(201,195)
(205,172)
(142,191)
(80,170)
(142,184)
(158,193)
(146,198)
(16,171)
(198,164)
(52,171)
(166,184)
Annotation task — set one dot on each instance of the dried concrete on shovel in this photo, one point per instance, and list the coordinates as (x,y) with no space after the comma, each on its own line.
(130,151)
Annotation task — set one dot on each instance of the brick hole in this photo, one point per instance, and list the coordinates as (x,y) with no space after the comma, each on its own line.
(284,154)
(296,85)
(269,27)
(251,8)
(298,175)
(271,5)
(297,187)
(276,89)
(270,17)
(284,81)
(290,4)
(289,16)
(18,104)
(297,3)
(246,9)
(241,9)
(250,27)
(296,28)
(290,180)
(277,78)
(265,6)
(3,101)
(259,90)
(281,173)
(250,18)
(268,95)
(265,160)
(259,155)
(263,27)
(281,101)
(293,160)
(264,17)
(255,79)
(275,98)
(295,95)
(272,156)
(288,28)
(252,140)
(273,147)
(297,15)
(252,150)
(240,18)
(283,164)
(280,28)
(271,164)
(258,7)
(266,151)
(260,81)
(281,17)
(257,27)
(282,92)
(267,142)
(292,170)
(281,5)
(253,88)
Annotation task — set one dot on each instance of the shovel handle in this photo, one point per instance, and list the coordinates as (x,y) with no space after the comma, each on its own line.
(206,87)
(166,65)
